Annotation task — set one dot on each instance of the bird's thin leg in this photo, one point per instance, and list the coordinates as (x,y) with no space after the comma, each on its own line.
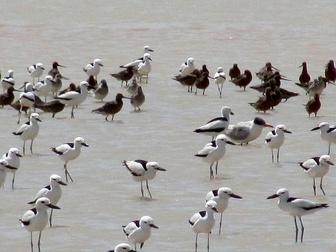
(221,90)
(296,229)
(302,229)
(211,172)
(50,218)
(72,112)
(31,145)
(220,224)
(13,180)
(278,154)
(106,119)
(272,156)
(39,242)
(24,147)
(67,172)
(19,115)
(322,186)
(329,149)
(216,167)
(314,186)
(142,192)
(208,246)
(196,243)
(112,117)
(141,245)
(148,189)
(31,242)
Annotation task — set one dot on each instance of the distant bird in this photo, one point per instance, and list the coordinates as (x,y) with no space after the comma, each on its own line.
(286,94)
(313,105)
(111,108)
(245,132)
(43,88)
(27,99)
(71,87)
(221,196)
(101,91)
(265,102)
(220,78)
(68,152)
(296,207)
(144,67)
(93,83)
(327,133)
(234,72)
(276,138)
(202,82)
(4,168)
(12,157)
(133,87)
(54,69)
(36,71)
(139,231)
(317,167)
(204,221)
(74,98)
(330,71)
(188,67)
(53,106)
(138,99)
(243,80)
(56,85)
(188,80)
(124,75)
(8,97)
(304,77)
(8,81)
(218,125)
(29,131)
(122,247)
(36,219)
(93,68)
(53,192)
(142,170)
(265,72)
(212,153)
(317,87)
(136,62)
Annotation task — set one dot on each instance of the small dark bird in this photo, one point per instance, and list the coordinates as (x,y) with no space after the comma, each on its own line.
(234,72)
(72,87)
(330,71)
(202,82)
(243,80)
(313,105)
(111,108)
(276,96)
(265,102)
(286,94)
(124,75)
(102,90)
(54,70)
(53,106)
(93,83)
(8,97)
(266,71)
(304,76)
(204,69)
(138,99)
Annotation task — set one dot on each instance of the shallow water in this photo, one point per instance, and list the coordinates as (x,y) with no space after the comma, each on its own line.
(103,196)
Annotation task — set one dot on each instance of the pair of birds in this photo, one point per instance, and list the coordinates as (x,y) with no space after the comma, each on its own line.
(216,202)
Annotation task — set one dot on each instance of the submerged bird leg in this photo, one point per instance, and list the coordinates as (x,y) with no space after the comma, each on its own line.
(141,245)
(24,147)
(31,145)
(39,242)
(220,224)
(278,153)
(296,229)
(148,189)
(50,218)
(19,116)
(196,243)
(329,149)
(272,156)
(302,229)
(142,192)
(13,180)
(208,246)
(31,242)
(322,186)
(106,119)
(72,112)
(211,171)
(216,167)
(314,186)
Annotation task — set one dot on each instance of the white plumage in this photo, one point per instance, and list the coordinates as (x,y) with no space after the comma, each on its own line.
(220,78)
(8,81)
(36,71)
(13,159)
(43,88)
(187,68)
(327,133)
(4,167)
(144,67)
(93,68)
(27,98)
(122,247)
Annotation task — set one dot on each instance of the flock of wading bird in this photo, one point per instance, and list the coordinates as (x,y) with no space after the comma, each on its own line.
(222,133)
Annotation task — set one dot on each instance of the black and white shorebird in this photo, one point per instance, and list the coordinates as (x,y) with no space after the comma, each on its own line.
(8,81)
(29,131)
(275,139)
(317,167)
(93,68)
(36,219)
(218,125)
(139,231)
(204,221)
(68,152)
(296,207)
(187,67)
(142,170)
(327,133)
(53,192)
(13,159)
(4,168)
(221,196)
(36,71)
(122,247)
(27,99)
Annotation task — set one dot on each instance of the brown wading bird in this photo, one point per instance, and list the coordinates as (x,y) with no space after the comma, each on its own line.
(304,76)
(8,97)
(124,75)
(265,102)
(72,87)
(234,72)
(202,82)
(330,71)
(266,71)
(53,106)
(313,105)
(138,99)
(101,91)
(111,108)
(188,80)
(243,80)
